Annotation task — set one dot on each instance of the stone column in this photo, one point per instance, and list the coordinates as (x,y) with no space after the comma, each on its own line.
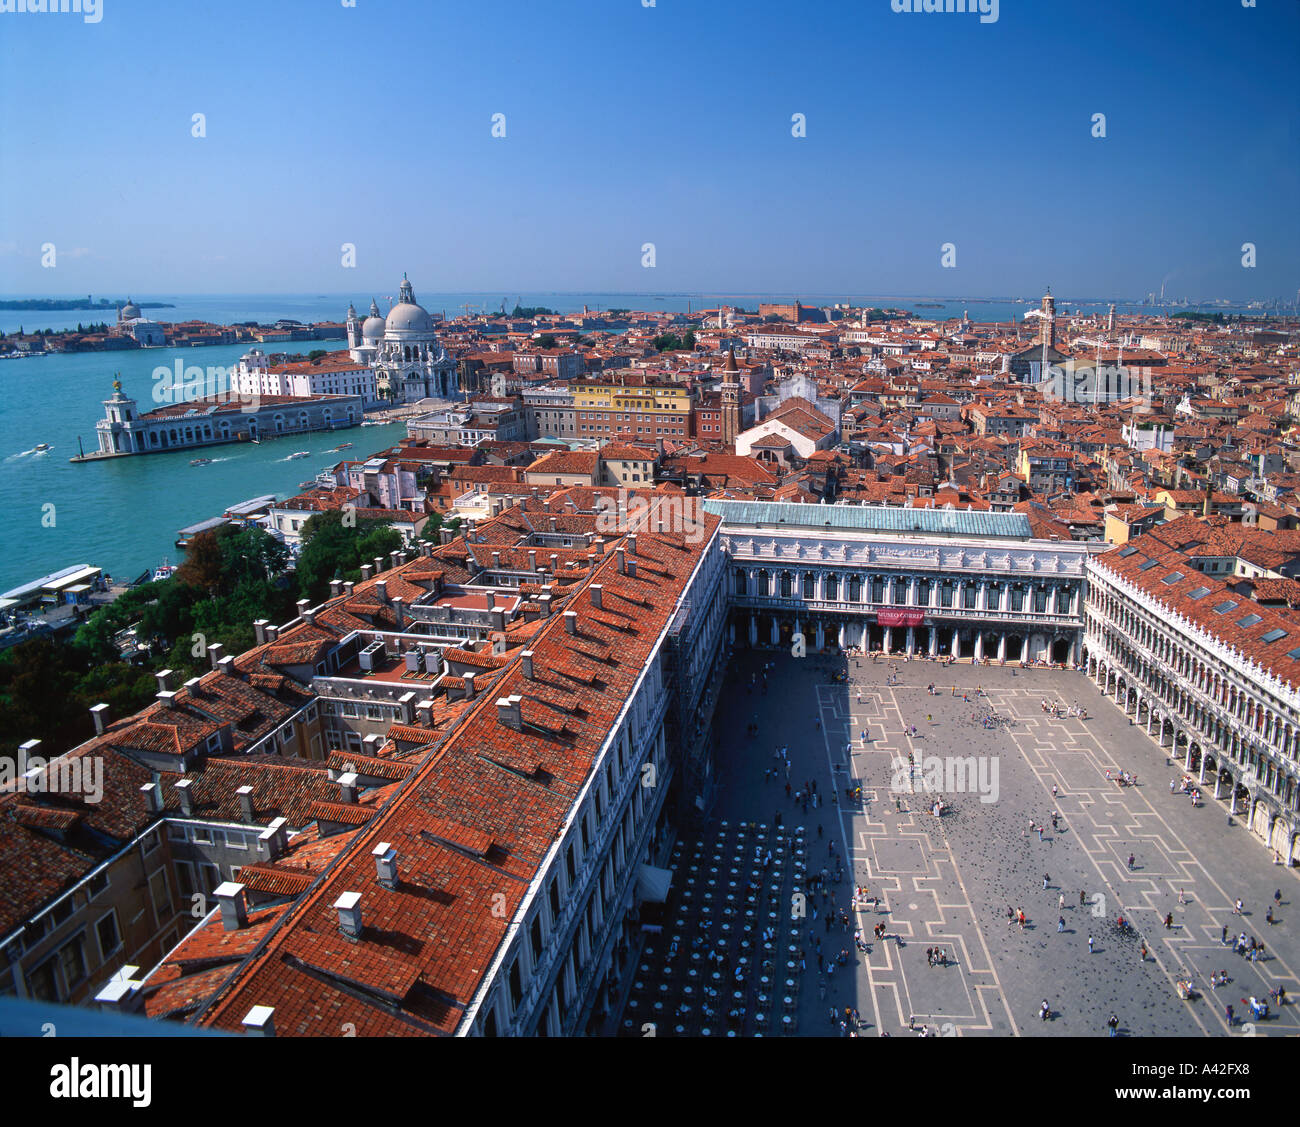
(934,641)
(911,640)
(821,635)
(1002,647)
(979,645)
(889,639)
(776,631)
(956,641)
(753,629)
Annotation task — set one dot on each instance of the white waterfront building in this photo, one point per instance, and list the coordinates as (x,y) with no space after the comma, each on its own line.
(336,373)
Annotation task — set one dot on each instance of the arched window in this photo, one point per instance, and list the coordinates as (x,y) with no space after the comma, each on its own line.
(809,585)
(787,585)
(741,582)
(855,588)
(764,583)
(832,587)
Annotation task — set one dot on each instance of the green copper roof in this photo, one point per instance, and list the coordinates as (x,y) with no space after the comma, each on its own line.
(872,518)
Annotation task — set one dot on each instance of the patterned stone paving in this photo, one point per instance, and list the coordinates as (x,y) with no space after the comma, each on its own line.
(950,881)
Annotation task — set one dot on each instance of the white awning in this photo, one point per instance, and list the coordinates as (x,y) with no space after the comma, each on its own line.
(652,884)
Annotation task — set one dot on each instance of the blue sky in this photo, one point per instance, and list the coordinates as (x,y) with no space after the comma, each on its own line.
(669,125)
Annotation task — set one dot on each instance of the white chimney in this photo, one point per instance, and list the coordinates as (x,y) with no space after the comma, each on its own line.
(227,666)
(164,677)
(510,711)
(246,803)
(367,571)
(215,650)
(234,905)
(597,591)
(99,714)
(258,1022)
(152,797)
(381,589)
(348,787)
(527,656)
(168,699)
(469,685)
(385,864)
(259,629)
(349,910)
(571,621)
(187,800)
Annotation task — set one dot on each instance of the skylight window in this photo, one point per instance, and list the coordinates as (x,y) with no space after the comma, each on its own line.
(1128,550)
(1250,620)
(1273,636)
(1148,564)
(1199,593)
(1172,578)
(1224,607)
(1294,654)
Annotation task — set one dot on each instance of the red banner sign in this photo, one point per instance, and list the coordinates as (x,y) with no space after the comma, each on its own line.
(900,617)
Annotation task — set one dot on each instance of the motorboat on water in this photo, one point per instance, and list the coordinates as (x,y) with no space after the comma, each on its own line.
(40,447)
(344,446)
(201,462)
(164,571)
(299,454)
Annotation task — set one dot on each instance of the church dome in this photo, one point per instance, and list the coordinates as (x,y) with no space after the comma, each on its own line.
(407,318)
(129,311)
(372,328)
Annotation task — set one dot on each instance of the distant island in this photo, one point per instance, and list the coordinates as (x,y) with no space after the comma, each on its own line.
(60,304)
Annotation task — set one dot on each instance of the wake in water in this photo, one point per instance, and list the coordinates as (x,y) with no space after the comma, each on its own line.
(33,452)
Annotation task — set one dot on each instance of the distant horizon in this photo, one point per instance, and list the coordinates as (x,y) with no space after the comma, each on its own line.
(831,296)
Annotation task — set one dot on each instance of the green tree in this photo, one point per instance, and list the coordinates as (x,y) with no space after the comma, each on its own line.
(546,340)
(332,550)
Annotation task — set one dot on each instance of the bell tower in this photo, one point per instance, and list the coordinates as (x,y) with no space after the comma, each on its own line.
(730,400)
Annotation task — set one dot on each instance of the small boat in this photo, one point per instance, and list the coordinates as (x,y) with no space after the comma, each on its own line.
(166,571)
(41,447)
(201,462)
(344,446)
(299,454)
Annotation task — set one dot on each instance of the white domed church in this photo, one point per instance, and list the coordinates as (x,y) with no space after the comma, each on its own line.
(403,350)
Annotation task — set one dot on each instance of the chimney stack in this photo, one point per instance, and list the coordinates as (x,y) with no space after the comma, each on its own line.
(571,621)
(215,651)
(348,787)
(336,588)
(631,544)
(424,712)
(99,714)
(527,656)
(532,560)
(194,686)
(379,565)
(398,558)
(152,797)
(349,909)
(187,800)
(258,1021)
(385,864)
(234,905)
(381,589)
(555,563)
(597,591)
(227,666)
(510,711)
(622,561)
(544,601)
(399,610)
(246,804)
(303,605)
(272,633)
(164,677)
(348,586)
(275,838)
(468,678)
(168,698)
(367,572)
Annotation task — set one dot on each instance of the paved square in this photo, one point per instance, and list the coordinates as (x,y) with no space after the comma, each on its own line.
(950,882)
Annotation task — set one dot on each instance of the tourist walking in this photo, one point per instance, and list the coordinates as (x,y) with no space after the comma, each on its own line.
(1060,923)
(1090,945)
